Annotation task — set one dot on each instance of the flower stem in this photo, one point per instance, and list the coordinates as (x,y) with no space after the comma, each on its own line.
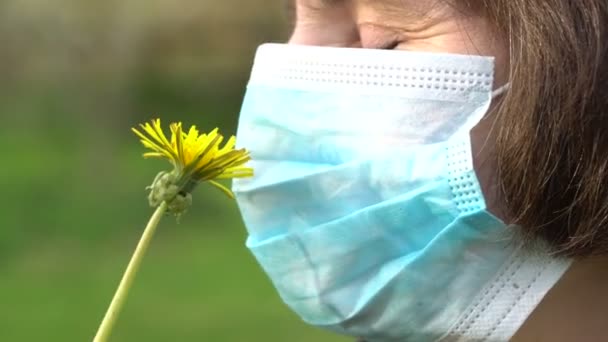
(105,329)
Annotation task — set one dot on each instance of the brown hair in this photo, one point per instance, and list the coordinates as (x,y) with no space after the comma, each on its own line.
(552,125)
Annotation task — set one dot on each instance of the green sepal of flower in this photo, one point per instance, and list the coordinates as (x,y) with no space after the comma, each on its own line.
(166,188)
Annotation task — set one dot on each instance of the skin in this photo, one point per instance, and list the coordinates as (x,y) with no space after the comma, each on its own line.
(576,309)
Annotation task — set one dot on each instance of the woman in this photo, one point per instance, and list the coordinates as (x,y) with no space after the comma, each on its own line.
(453,189)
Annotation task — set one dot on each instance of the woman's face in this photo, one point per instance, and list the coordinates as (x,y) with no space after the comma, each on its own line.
(412,25)
(439,26)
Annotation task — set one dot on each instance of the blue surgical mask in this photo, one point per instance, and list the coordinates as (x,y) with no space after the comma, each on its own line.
(365,211)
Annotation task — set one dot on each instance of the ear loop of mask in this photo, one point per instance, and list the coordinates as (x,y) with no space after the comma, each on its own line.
(496,93)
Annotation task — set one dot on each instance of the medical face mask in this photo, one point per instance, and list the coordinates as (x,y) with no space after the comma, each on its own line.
(365,210)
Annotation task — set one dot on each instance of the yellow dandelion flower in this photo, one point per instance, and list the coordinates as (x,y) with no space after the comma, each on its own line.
(195,157)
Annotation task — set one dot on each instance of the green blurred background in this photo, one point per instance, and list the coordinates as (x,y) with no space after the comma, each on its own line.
(76,75)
